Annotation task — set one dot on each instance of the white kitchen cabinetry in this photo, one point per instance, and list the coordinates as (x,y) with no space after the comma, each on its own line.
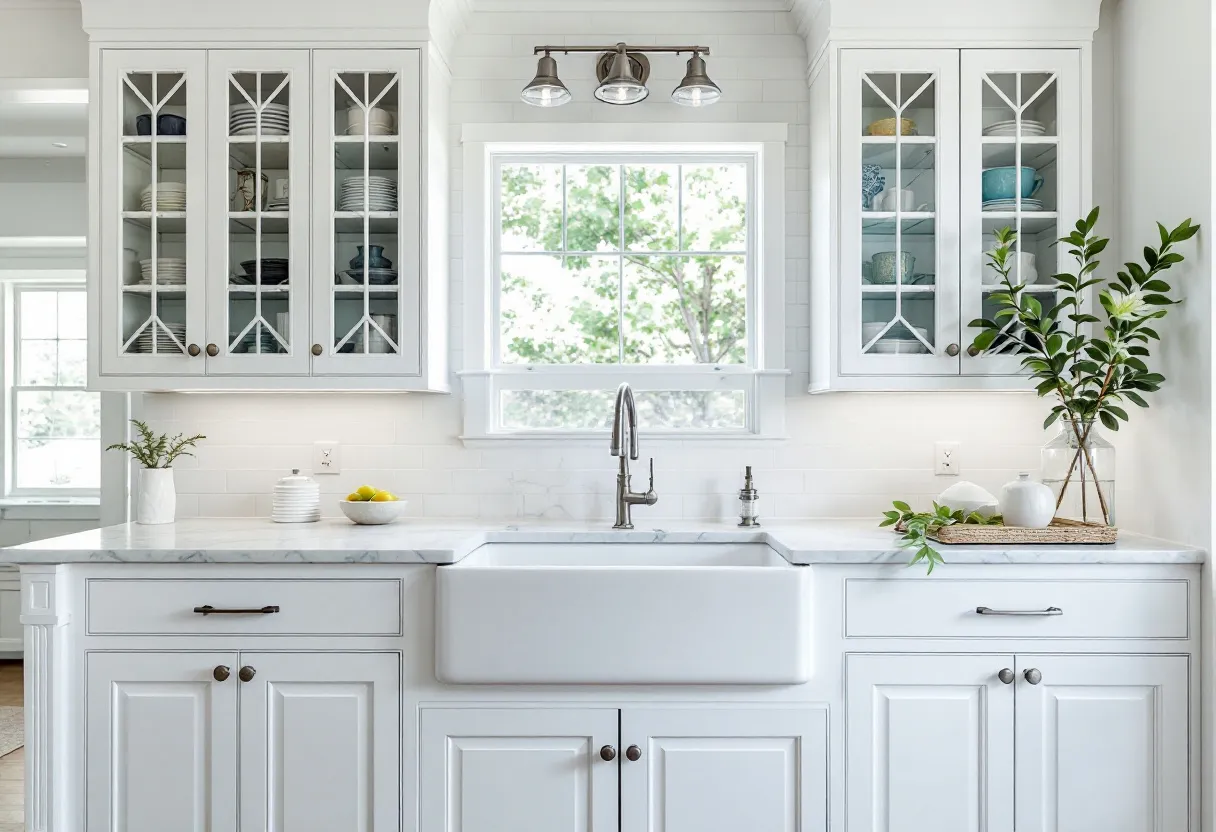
(713,769)
(1100,742)
(315,738)
(281,243)
(912,150)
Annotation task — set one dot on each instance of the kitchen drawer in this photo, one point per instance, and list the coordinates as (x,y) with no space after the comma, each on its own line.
(945,608)
(322,607)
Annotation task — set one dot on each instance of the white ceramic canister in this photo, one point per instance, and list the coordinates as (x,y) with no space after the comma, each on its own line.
(297,499)
(1028,504)
(157,501)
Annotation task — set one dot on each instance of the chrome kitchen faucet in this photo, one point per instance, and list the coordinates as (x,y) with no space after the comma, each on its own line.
(625,420)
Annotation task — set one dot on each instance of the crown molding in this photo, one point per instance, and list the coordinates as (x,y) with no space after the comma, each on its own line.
(40,5)
(632,6)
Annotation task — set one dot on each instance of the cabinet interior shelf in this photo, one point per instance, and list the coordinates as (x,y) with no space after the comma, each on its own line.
(273,222)
(351,222)
(170,150)
(1033,222)
(243,152)
(892,289)
(167,222)
(163,290)
(1037,156)
(381,152)
(882,224)
(347,292)
(246,290)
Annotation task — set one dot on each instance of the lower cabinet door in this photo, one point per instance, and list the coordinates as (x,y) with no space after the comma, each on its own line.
(929,743)
(320,741)
(724,769)
(1102,743)
(518,770)
(161,734)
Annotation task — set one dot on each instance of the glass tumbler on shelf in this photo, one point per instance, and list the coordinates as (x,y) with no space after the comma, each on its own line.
(1079,466)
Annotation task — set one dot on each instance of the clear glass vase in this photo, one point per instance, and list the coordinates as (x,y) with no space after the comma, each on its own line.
(1082,475)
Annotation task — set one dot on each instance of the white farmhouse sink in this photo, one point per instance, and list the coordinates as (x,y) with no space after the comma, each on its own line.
(622,613)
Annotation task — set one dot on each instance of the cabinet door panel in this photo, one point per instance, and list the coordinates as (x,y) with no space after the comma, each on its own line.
(1102,744)
(151,267)
(929,744)
(366,256)
(899,212)
(724,769)
(258,205)
(161,740)
(503,770)
(321,742)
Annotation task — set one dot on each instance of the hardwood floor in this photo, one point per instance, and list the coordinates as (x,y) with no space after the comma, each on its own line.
(12,766)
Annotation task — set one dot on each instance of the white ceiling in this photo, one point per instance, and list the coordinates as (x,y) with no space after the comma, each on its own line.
(37,116)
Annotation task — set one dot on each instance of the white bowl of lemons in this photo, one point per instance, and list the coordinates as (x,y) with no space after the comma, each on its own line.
(369,506)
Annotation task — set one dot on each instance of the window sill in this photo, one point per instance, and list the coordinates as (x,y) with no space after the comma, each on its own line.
(602,440)
(48,508)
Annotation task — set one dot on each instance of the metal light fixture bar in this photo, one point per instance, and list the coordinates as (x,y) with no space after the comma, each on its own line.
(670,50)
(622,71)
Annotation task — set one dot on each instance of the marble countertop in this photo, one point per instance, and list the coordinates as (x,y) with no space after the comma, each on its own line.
(250,540)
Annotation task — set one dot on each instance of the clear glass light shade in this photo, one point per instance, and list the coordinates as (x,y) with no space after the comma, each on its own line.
(621,86)
(546,89)
(696,90)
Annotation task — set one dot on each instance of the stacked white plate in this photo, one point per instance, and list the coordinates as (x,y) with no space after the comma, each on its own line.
(1012,204)
(381,194)
(1009,127)
(379,122)
(164,344)
(170,196)
(170,271)
(277,205)
(243,120)
(297,499)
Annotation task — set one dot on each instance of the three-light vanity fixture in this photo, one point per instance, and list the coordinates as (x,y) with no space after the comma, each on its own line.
(622,72)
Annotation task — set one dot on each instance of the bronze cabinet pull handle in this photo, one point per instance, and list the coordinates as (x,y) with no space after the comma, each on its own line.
(193,350)
(991,611)
(221,673)
(246,673)
(633,753)
(952,350)
(1005,675)
(317,349)
(213,350)
(1033,675)
(607,753)
(207,609)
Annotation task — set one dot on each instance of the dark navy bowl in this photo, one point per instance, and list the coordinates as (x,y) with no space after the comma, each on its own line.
(168,124)
(143,125)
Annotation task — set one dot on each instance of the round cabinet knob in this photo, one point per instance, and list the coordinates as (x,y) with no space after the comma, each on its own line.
(608,753)
(952,350)
(1005,675)
(633,753)
(221,673)
(317,349)
(246,673)
(972,351)
(1033,675)
(193,349)
(213,350)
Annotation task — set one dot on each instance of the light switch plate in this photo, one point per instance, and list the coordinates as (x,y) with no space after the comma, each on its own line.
(325,458)
(947,458)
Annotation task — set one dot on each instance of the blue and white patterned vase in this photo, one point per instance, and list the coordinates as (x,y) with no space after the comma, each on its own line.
(872,184)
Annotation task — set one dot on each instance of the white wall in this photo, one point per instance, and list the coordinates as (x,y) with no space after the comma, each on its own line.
(848,455)
(1163,112)
(43,198)
(43,40)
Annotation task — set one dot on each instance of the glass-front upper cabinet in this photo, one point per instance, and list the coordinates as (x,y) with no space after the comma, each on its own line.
(151,215)
(899,212)
(366,212)
(258,287)
(1020,168)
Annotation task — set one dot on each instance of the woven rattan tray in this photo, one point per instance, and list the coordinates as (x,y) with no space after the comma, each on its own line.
(1060,531)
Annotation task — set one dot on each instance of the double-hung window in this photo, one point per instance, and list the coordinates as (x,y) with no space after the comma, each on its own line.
(659,264)
(53,446)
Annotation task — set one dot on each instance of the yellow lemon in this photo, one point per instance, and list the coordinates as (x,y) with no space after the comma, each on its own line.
(354,497)
(383,497)
(365,492)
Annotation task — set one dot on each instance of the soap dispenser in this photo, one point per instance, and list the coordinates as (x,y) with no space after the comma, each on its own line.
(748,496)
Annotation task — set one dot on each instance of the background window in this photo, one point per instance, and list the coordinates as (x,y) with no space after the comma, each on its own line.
(608,266)
(55,424)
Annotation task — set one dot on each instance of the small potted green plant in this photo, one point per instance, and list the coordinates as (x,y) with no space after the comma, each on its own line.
(157,501)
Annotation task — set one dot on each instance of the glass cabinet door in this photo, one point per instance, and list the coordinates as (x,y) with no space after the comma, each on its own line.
(1020,169)
(899,201)
(258,291)
(366,252)
(151,220)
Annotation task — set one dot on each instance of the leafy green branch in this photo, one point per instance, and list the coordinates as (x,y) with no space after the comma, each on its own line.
(152,450)
(917,528)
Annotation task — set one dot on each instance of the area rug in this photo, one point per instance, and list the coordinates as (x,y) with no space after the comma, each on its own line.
(12,729)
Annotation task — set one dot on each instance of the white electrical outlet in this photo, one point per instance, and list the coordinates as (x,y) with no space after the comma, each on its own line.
(325,458)
(947,458)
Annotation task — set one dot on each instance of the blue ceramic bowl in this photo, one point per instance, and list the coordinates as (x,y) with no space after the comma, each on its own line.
(376,259)
(168,124)
(1001,183)
(143,125)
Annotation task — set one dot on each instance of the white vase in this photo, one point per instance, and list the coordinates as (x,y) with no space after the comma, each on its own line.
(1028,504)
(157,498)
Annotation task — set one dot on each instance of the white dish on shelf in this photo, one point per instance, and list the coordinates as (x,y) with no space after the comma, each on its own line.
(1029,204)
(899,346)
(1008,127)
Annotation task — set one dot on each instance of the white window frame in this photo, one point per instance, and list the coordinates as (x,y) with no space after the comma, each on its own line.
(11,337)
(483,378)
